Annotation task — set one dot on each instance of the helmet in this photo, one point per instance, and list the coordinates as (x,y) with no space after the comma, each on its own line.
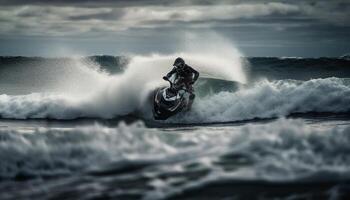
(179,63)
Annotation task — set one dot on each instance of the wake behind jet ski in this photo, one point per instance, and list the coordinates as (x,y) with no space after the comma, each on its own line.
(179,95)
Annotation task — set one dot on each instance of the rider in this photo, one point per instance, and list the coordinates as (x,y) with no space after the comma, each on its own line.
(187,73)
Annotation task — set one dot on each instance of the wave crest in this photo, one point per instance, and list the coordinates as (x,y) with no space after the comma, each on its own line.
(264,99)
(267,99)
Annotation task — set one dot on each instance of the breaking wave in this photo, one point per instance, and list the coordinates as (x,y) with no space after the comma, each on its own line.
(79,87)
(267,99)
(263,99)
(282,150)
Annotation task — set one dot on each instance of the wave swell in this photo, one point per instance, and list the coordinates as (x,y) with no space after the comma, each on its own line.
(281,150)
(264,99)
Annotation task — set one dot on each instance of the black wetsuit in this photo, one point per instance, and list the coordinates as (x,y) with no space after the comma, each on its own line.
(189,76)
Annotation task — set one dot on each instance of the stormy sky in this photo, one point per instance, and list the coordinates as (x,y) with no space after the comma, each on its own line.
(115,27)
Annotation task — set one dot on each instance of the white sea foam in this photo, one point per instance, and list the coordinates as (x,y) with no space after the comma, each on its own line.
(266,99)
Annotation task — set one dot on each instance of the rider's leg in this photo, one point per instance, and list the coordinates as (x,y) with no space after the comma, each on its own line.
(190,101)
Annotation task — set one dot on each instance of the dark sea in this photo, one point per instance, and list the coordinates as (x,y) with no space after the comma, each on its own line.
(259,128)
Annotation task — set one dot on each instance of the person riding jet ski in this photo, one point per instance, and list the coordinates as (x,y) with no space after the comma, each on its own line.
(188,75)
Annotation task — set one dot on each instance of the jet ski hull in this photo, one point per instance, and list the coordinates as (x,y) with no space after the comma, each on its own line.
(163,107)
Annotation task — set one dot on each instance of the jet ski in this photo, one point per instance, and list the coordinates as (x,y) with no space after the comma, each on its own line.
(170,100)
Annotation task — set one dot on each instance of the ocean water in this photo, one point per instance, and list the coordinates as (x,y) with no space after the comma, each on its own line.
(260,128)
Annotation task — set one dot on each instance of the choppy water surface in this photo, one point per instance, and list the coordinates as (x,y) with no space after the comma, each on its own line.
(275,158)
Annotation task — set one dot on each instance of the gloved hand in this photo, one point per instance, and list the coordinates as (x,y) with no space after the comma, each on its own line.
(165,78)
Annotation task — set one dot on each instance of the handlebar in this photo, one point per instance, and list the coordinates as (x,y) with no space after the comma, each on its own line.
(172,85)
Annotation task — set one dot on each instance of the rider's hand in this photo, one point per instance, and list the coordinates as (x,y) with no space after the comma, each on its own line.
(165,78)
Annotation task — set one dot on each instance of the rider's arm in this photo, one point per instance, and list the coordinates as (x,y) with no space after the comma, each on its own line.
(170,73)
(195,74)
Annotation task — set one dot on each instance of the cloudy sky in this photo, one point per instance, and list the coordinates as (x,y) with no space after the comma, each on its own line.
(258,28)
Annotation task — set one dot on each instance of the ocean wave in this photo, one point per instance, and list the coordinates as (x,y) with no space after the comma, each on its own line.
(54,152)
(81,89)
(264,99)
(268,99)
(298,68)
(284,150)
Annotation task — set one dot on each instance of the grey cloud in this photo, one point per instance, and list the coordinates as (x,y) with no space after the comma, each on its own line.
(128,3)
(44,20)
(336,12)
(104,3)
(113,14)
